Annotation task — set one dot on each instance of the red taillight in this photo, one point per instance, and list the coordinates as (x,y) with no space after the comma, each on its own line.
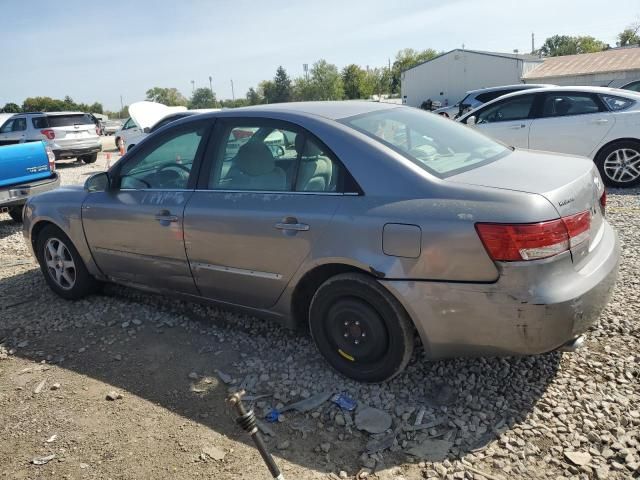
(533,241)
(603,201)
(50,134)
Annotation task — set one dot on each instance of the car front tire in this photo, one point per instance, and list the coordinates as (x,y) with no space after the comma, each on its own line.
(619,164)
(360,329)
(61,264)
(89,158)
(16,213)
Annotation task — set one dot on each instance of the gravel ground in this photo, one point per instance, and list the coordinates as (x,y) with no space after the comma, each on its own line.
(132,385)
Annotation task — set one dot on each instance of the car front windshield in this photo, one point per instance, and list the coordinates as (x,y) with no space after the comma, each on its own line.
(439,146)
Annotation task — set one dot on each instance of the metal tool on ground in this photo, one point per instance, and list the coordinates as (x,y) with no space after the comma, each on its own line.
(247,420)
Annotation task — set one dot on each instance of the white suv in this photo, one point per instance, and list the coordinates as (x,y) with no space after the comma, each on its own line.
(68,134)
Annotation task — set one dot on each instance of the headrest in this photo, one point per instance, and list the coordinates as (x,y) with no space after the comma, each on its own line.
(309,149)
(563,106)
(255,158)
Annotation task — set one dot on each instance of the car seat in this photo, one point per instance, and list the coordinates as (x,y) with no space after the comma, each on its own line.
(254,168)
(316,170)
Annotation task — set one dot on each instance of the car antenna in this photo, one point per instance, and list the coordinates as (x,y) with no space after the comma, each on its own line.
(247,420)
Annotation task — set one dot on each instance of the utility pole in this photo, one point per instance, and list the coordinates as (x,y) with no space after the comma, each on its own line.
(211,84)
(233,95)
(193,86)
(533,43)
(305,67)
(121,104)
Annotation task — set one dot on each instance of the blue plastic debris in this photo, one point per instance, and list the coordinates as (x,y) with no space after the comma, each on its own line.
(272,416)
(344,401)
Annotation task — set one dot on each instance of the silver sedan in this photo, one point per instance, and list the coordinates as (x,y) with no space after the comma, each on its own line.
(368,222)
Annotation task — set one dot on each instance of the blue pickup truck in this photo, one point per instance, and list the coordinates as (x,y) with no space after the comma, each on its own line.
(26,169)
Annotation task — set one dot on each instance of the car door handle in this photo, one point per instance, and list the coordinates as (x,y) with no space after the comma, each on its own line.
(164,216)
(601,121)
(292,224)
(517,127)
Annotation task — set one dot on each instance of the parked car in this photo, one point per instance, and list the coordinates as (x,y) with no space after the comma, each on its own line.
(26,169)
(633,86)
(111,126)
(144,115)
(68,134)
(475,98)
(596,122)
(367,221)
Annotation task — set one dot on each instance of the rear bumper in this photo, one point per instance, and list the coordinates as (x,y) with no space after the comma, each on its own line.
(73,152)
(531,309)
(14,195)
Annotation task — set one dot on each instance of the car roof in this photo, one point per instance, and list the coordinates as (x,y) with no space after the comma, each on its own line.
(333,110)
(523,86)
(601,90)
(64,113)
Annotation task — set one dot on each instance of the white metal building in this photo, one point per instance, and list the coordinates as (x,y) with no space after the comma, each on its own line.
(447,77)
(611,68)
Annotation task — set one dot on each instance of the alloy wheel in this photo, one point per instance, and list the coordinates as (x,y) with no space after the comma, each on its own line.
(60,264)
(623,165)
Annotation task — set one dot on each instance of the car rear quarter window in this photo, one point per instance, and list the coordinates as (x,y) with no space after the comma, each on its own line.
(517,108)
(488,96)
(69,120)
(615,103)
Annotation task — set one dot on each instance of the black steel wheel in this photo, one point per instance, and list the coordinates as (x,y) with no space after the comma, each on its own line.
(360,328)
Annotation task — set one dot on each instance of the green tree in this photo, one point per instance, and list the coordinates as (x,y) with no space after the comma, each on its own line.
(253,97)
(238,102)
(202,98)
(559,45)
(326,81)
(282,91)
(95,107)
(353,81)
(629,36)
(303,90)
(406,59)
(167,96)
(11,108)
(42,104)
(267,90)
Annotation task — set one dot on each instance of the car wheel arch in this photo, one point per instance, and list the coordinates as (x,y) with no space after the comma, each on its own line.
(612,142)
(309,283)
(37,228)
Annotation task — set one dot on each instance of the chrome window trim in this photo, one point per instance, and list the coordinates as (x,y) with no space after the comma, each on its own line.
(239,271)
(278,192)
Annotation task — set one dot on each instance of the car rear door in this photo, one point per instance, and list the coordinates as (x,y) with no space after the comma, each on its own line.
(268,191)
(570,122)
(507,120)
(135,229)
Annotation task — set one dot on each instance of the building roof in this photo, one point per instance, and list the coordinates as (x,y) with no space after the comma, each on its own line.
(613,60)
(513,56)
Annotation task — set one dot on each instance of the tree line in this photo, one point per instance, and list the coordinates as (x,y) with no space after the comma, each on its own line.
(323,81)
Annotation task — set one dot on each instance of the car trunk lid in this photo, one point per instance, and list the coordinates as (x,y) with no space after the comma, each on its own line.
(72,128)
(571,184)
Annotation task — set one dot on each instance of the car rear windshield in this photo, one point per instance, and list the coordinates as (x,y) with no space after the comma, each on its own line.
(441,147)
(69,120)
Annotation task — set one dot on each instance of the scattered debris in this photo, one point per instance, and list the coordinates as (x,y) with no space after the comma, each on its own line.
(283,445)
(43,460)
(214,453)
(380,444)
(344,401)
(55,386)
(266,429)
(52,438)
(113,395)
(372,420)
(420,416)
(431,450)
(225,377)
(578,458)
(308,404)
(193,376)
(272,416)
(39,387)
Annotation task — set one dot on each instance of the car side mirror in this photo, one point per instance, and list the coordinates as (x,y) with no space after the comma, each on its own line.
(100,182)
(471,120)
(146,130)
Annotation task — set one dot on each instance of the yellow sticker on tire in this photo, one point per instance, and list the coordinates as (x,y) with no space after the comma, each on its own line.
(346,355)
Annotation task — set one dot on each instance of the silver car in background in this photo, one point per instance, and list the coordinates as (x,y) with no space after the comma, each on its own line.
(366,221)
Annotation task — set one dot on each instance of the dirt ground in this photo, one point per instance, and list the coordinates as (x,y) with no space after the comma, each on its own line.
(166,363)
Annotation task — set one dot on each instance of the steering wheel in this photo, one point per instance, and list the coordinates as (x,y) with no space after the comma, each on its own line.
(177,165)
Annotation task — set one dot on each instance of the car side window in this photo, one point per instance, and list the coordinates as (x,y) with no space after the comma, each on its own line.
(128,124)
(517,108)
(634,87)
(8,126)
(616,104)
(39,122)
(258,157)
(561,104)
(318,170)
(20,124)
(164,166)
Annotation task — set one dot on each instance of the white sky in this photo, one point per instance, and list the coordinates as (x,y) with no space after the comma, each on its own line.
(97,51)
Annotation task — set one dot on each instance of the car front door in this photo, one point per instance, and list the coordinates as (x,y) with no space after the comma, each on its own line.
(507,120)
(135,229)
(268,191)
(570,122)
(13,131)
